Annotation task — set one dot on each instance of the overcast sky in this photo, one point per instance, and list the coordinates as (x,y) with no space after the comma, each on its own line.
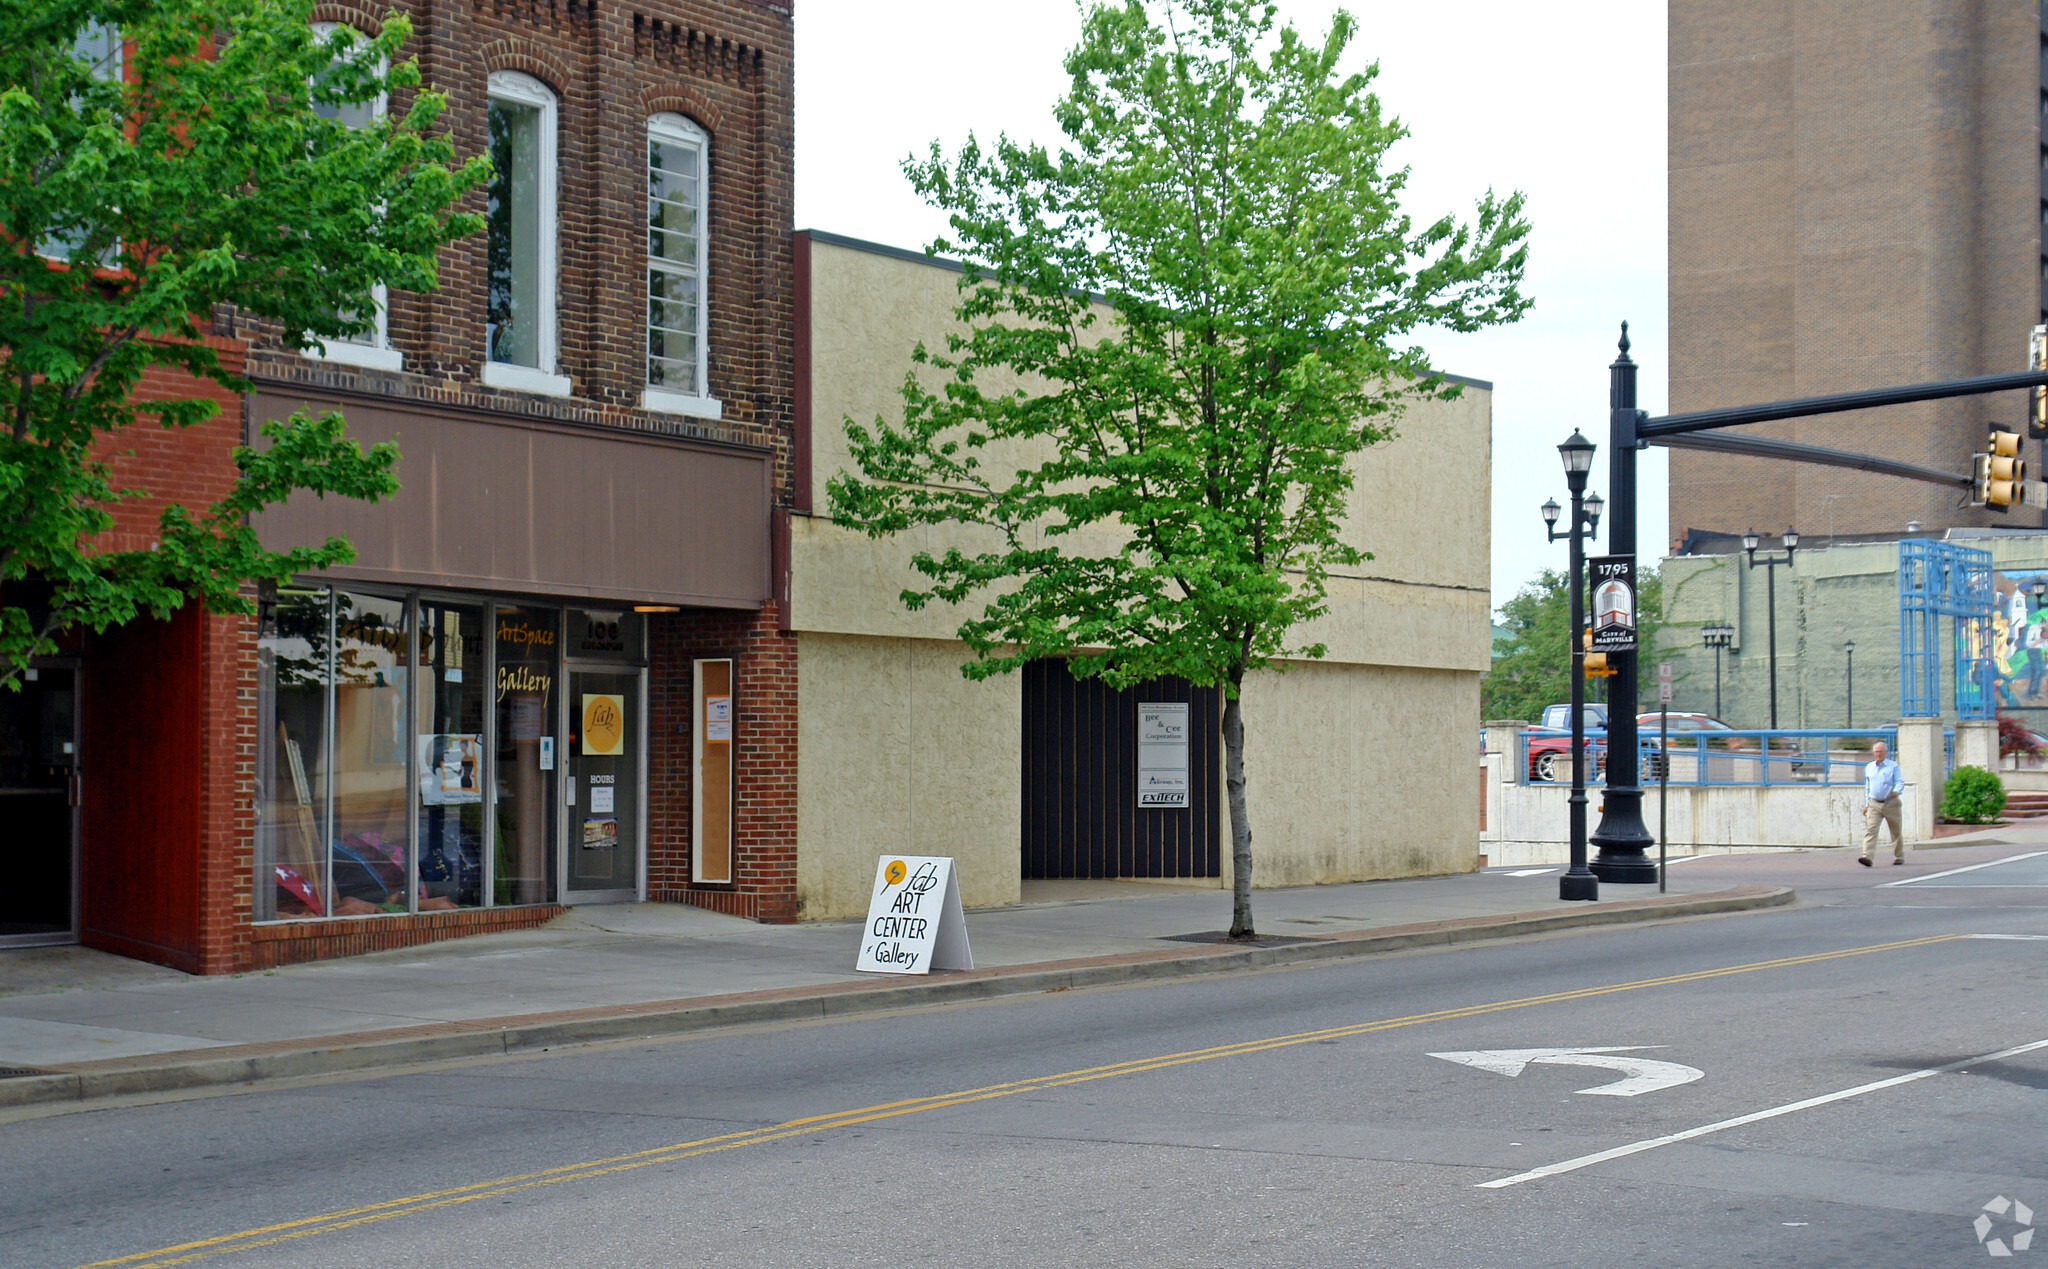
(1562,101)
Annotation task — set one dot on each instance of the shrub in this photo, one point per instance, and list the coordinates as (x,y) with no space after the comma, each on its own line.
(1973,796)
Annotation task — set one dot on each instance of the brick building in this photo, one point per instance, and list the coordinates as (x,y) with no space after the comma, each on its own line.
(1856,201)
(553,672)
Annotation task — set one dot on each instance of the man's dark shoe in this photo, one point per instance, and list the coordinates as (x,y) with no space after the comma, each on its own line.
(1898,863)
(1863,861)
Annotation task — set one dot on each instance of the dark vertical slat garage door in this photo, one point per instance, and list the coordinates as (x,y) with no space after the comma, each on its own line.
(1081,814)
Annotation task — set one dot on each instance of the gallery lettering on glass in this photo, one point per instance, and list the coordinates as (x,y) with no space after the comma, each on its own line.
(409,755)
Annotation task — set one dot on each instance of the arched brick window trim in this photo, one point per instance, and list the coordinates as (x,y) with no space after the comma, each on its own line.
(683,102)
(527,56)
(369,21)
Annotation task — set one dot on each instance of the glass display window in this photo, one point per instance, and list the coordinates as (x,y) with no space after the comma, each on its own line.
(294,635)
(527,681)
(449,742)
(369,844)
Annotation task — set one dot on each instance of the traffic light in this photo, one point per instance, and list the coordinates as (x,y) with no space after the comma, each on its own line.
(2037,398)
(1999,477)
(1594,664)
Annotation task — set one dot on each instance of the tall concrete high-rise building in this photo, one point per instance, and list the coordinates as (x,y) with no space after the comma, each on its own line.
(1858,190)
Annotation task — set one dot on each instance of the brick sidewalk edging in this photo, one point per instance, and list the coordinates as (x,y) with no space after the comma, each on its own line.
(527,1033)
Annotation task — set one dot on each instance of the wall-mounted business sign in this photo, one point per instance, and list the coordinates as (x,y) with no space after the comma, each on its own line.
(1613,579)
(1163,754)
(915,922)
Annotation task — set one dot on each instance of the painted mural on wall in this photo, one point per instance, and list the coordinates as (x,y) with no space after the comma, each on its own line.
(2019,635)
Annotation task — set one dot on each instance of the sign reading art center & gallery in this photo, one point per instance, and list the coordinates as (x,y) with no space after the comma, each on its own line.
(915,921)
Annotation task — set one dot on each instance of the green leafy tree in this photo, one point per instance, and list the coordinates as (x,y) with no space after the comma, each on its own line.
(1534,668)
(158,159)
(1204,298)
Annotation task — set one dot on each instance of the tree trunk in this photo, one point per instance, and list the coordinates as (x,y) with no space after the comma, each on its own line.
(1240,819)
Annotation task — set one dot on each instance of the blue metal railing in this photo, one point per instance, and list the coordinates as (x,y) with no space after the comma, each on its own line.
(1948,752)
(1823,756)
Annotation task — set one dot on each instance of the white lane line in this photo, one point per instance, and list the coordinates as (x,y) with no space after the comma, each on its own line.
(1587,1161)
(2009,859)
(2018,938)
(1528,872)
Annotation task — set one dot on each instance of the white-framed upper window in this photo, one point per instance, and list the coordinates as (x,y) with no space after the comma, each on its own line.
(98,45)
(373,347)
(519,283)
(678,170)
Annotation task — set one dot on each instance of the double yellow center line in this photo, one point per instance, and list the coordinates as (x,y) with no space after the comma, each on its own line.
(348,1218)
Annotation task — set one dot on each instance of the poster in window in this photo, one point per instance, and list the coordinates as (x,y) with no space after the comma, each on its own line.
(718,718)
(604,725)
(451,769)
(600,832)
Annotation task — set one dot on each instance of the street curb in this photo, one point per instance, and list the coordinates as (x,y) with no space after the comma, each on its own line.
(490,1037)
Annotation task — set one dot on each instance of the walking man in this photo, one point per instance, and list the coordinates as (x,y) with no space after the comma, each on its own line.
(1882,785)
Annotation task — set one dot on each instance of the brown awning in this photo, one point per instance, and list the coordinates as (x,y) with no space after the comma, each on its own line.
(491,502)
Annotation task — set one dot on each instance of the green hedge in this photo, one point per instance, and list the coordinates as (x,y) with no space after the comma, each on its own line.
(1974,796)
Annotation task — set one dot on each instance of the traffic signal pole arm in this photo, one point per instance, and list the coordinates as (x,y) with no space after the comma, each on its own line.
(1794,451)
(1648,429)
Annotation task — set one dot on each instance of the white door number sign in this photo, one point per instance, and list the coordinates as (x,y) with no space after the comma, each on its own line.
(915,922)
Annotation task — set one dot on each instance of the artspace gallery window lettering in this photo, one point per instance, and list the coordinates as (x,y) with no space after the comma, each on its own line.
(519,319)
(677,249)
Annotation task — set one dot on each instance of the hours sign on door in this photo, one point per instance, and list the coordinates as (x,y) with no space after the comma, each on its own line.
(1163,753)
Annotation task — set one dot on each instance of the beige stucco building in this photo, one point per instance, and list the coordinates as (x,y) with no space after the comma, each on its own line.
(1359,766)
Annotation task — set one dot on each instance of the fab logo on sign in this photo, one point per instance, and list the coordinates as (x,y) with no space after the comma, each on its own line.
(604,725)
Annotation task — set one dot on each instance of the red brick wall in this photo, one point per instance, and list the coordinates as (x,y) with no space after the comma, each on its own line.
(290,942)
(764,740)
(167,763)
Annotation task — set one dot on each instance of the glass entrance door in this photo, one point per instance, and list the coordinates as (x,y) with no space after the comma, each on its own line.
(38,809)
(607,747)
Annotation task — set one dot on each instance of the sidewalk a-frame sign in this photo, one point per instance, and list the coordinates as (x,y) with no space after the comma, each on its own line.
(915,923)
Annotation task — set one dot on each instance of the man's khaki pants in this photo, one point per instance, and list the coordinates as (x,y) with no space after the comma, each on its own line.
(1887,813)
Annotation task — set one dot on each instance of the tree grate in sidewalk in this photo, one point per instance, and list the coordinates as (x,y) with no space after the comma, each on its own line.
(1220,936)
(22,1072)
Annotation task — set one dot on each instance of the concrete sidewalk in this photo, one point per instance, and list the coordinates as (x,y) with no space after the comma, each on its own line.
(77,1024)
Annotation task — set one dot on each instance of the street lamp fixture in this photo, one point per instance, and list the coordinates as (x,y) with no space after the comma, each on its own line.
(1577,453)
(1718,637)
(1849,682)
(1790,541)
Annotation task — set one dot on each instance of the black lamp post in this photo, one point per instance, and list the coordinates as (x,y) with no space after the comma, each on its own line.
(1849,682)
(1577,452)
(1717,636)
(1771,563)
(1622,836)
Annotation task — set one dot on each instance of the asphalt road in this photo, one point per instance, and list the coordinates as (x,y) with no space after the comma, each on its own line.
(1291,1117)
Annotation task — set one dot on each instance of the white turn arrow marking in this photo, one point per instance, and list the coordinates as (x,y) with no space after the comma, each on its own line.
(1643,1074)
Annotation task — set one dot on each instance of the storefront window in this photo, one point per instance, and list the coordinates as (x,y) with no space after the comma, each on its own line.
(407,763)
(371,836)
(526,703)
(291,754)
(452,761)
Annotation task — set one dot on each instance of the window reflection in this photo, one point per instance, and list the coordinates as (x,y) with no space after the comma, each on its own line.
(291,754)
(451,754)
(370,835)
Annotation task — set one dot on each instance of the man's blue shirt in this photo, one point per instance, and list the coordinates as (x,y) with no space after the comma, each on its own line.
(1882,779)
